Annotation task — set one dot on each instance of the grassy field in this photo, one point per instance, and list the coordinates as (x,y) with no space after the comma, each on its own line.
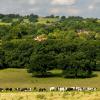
(51,96)
(44,20)
(0,42)
(3,23)
(20,78)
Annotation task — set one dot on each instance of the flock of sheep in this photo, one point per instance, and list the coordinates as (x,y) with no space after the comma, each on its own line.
(60,89)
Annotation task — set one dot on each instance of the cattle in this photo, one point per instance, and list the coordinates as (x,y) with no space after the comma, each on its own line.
(78,88)
(84,89)
(17,89)
(8,89)
(42,89)
(73,88)
(29,89)
(69,89)
(62,89)
(34,89)
(53,88)
(1,89)
(94,89)
(91,89)
(25,89)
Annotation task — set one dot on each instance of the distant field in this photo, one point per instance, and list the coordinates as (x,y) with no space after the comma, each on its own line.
(98,21)
(51,96)
(44,20)
(20,78)
(3,23)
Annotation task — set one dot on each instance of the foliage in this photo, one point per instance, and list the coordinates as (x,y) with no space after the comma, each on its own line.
(71,44)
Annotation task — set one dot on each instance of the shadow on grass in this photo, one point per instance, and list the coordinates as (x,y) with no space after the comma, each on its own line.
(94,75)
(82,77)
(47,75)
(60,75)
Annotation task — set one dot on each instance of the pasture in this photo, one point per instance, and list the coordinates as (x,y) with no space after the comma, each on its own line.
(13,78)
(51,96)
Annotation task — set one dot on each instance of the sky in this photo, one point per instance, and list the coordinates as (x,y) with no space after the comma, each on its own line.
(84,8)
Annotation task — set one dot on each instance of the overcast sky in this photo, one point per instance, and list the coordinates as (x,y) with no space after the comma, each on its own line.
(86,8)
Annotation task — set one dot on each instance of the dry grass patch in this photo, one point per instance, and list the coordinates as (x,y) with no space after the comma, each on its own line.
(51,96)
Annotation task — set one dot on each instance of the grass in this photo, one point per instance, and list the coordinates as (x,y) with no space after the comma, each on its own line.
(51,96)
(20,78)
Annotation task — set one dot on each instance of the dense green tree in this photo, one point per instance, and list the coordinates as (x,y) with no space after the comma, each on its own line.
(63,18)
(42,59)
(17,53)
(32,18)
(2,58)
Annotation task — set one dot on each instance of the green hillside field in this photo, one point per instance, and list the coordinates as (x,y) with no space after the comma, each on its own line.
(20,78)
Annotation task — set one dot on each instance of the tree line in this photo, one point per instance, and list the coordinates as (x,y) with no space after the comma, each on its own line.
(74,58)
